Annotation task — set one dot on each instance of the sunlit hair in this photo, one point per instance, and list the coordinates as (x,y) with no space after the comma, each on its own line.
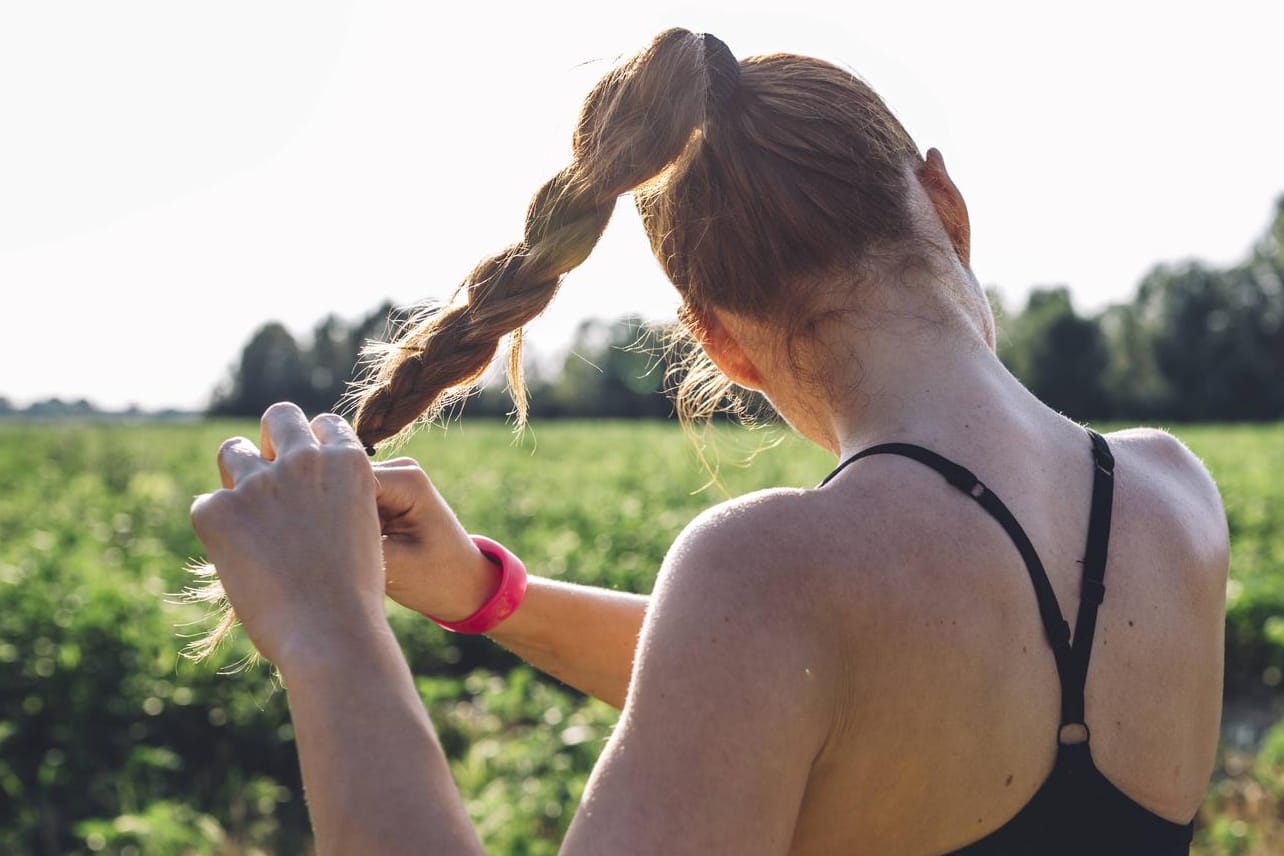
(751,177)
(755,180)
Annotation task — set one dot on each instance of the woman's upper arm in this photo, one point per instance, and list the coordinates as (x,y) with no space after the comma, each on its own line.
(731,701)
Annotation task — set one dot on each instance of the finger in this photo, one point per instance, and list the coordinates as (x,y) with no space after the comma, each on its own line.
(284,427)
(206,513)
(393,481)
(333,430)
(398,490)
(397,483)
(396,464)
(237,458)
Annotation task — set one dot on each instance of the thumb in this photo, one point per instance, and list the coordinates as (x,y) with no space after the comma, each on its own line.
(400,485)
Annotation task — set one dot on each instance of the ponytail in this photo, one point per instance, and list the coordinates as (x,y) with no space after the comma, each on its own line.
(638,120)
(801,170)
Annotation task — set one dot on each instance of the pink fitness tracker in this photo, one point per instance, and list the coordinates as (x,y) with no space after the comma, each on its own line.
(505,600)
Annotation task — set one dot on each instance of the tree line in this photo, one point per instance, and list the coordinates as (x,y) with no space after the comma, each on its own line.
(613,369)
(1196,343)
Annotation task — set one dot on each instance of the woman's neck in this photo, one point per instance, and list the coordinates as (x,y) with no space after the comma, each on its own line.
(907,371)
(914,393)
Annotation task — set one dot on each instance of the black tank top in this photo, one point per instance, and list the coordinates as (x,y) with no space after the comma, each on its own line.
(1077,810)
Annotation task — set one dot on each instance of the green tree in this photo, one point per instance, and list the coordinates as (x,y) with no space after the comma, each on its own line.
(1059,355)
(316,374)
(1135,385)
(271,368)
(1218,339)
(329,360)
(614,370)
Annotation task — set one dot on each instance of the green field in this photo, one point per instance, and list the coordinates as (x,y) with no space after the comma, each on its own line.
(110,742)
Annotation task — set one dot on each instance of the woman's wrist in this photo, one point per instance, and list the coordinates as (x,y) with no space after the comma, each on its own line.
(355,645)
(472,585)
(505,590)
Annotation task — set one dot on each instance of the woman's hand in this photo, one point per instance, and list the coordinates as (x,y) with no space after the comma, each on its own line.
(432,566)
(582,635)
(294,533)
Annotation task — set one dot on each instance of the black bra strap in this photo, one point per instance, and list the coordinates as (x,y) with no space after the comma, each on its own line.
(1054,625)
(1072,662)
(1092,589)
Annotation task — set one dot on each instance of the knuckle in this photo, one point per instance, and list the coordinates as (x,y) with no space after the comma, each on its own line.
(300,458)
(229,445)
(253,484)
(395,465)
(280,408)
(403,479)
(350,456)
(207,510)
(418,477)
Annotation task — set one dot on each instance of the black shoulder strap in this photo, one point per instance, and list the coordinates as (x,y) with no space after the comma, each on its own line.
(1054,625)
(1072,662)
(1092,589)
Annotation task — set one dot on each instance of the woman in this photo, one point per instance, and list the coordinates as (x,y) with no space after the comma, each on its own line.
(872,666)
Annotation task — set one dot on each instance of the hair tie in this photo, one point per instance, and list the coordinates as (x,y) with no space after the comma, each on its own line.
(370,450)
(723,69)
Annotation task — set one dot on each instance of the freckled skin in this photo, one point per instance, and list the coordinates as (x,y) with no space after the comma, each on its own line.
(1165,686)
(880,672)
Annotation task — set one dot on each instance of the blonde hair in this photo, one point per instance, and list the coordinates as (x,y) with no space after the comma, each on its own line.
(750,177)
(753,179)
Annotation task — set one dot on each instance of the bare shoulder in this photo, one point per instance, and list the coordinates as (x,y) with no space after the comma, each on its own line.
(728,658)
(1168,462)
(752,547)
(787,554)
(739,609)
(1174,486)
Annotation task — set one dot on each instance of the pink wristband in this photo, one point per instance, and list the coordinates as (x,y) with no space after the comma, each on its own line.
(505,600)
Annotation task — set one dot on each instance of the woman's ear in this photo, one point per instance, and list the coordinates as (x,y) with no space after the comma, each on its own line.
(727,352)
(949,204)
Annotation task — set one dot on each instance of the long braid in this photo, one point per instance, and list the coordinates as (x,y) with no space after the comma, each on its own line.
(637,121)
(800,170)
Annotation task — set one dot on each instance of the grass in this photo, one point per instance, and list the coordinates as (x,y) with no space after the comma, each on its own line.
(110,743)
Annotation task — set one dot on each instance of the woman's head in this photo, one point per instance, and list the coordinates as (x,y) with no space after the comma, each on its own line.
(755,180)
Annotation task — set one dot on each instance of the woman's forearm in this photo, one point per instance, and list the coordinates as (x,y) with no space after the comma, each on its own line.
(581,635)
(375,777)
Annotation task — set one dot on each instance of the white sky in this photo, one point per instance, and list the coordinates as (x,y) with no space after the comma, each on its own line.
(174,174)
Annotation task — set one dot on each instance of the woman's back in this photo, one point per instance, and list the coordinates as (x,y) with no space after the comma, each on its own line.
(863,667)
(953,700)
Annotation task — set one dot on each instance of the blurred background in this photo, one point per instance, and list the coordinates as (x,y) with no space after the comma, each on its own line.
(208,208)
